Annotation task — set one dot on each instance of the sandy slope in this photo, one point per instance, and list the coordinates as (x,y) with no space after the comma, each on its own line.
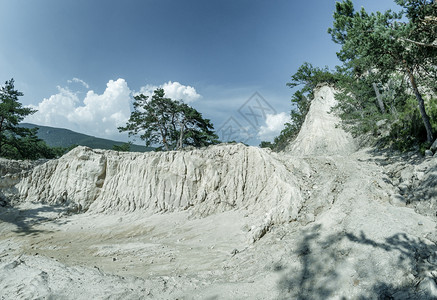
(321,134)
(356,234)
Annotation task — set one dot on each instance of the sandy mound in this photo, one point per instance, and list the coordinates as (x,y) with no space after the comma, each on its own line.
(320,133)
(217,179)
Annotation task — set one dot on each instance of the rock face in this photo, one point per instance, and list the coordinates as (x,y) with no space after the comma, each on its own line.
(11,172)
(320,134)
(416,180)
(11,167)
(216,179)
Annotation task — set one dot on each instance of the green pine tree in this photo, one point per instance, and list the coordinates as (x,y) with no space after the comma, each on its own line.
(168,123)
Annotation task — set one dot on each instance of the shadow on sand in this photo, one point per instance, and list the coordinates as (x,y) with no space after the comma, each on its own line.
(25,220)
(320,260)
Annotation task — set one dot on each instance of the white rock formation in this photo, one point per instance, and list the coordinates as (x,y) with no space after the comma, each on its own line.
(321,133)
(8,166)
(216,179)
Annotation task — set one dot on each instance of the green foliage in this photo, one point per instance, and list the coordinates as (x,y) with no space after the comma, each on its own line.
(30,147)
(125,147)
(287,134)
(432,110)
(309,77)
(265,144)
(387,65)
(59,151)
(168,123)
(18,142)
(11,114)
(357,104)
(405,127)
(381,51)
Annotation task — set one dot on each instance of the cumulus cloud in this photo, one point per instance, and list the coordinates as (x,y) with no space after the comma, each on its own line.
(273,125)
(99,114)
(95,114)
(77,80)
(173,90)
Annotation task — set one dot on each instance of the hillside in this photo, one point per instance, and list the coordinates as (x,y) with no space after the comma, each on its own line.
(59,137)
(321,220)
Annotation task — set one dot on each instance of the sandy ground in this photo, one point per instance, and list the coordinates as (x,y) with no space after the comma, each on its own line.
(349,243)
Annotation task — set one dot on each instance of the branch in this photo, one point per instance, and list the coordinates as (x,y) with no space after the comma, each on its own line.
(419,43)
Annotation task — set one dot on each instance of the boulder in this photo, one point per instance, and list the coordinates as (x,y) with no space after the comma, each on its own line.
(428,288)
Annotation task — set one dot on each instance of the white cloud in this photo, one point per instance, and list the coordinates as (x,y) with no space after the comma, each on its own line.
(77,80)
(97,115)
(274,124)
(173,90)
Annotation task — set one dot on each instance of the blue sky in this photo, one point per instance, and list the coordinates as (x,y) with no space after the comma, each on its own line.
(80,61)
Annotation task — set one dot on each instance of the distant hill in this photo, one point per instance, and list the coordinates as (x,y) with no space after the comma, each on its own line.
(59,137)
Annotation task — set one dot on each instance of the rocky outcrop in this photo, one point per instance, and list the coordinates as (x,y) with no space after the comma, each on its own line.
(415,180)
(11,172)
(206,181)
(321,133)
(9,166)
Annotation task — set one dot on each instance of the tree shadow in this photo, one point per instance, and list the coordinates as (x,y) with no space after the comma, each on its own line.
(384,157)
(425,192)
(419,193)
(320,260)
(305,281)
(25,220)
(420,257)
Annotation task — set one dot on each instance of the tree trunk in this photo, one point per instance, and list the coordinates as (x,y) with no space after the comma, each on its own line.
(164,136)
(164,141)
(181,135)
(421,103)
(161,130)
(378,97)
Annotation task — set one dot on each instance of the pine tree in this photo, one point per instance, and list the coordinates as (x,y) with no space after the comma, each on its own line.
(11,114)
(382,44)
(168,123)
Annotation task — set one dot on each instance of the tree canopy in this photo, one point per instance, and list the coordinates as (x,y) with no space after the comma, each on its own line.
(387,83)
(11,114)
(17,142)
(380,47)
(168,124)
(125,147)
